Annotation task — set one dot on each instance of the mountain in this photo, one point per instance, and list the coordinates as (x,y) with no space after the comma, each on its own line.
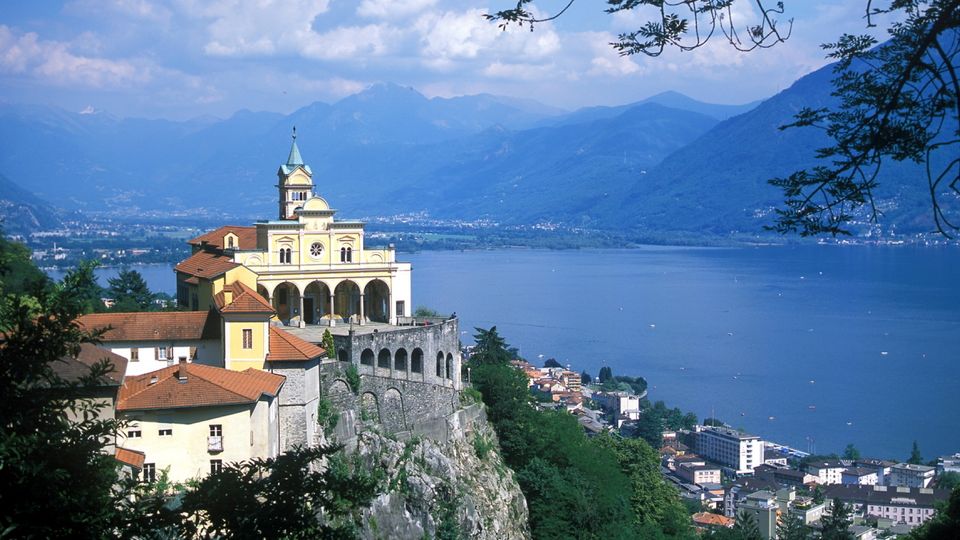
(21,212)
(674,100)
(718,183)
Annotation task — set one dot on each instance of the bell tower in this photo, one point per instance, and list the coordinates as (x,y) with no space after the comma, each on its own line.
(295,182)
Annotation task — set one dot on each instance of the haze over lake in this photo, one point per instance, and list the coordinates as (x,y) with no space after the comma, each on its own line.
(837,344)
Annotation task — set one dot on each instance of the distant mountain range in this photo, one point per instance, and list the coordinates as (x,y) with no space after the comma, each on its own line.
(21,212)
(668,163)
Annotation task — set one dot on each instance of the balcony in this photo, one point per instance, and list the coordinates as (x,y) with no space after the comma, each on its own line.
(215,443)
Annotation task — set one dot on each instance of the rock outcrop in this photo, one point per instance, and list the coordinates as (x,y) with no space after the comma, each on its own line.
(448,482)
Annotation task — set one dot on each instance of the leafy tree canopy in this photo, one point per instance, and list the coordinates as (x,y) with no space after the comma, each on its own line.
(130,292)
(851,452)
(490,348)
(915,457)
(552,362)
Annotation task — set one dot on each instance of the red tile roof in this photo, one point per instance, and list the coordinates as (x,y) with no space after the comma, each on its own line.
(154,326)
(712,520)
(285,346)
(205,386)
(71,368)
(245,300)
(207,265)
(246,237)
(133,458)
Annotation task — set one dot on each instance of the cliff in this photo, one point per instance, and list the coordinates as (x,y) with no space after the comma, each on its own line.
(444,480)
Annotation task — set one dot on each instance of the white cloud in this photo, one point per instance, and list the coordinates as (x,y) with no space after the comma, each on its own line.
(350,42)
(449,37)
(391,9)
(258,27)
(53,62)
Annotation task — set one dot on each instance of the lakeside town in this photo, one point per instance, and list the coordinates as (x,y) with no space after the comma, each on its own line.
(725,471)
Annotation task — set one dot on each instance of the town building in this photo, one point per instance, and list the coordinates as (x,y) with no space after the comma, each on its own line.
(737,451)
(710,521)
(910,475)
(880,466)
(762,505)
(948,464)
(828,472)
(189,419)
(699,474)
(859,476)
(910,506)
(784,476)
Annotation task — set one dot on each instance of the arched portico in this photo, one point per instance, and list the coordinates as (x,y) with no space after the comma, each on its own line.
(376,301)
(346,300)
(286,300)
(316,302)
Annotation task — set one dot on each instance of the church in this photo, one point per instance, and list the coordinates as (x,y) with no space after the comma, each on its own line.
(312,268)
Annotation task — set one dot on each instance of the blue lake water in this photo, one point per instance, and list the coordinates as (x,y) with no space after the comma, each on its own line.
(837,344)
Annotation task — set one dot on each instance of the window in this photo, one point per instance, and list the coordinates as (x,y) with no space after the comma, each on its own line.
(343,254)
(349,254)
(165,432)
(401,308)
(247,338)
(134,432)
(134,354)
(316,249)
(286,255)
(216,465)
(216,430)
(161,353)
(230,242)
(149,472)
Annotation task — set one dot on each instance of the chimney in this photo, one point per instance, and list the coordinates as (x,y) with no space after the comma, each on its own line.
(227,296)
(182,370)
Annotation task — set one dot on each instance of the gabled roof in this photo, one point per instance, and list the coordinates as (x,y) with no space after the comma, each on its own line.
(133,458)
(286,347)
(712,520)
(205,386)
(246,237)
(245,300)
(154,326)
(72,369)
(207,265)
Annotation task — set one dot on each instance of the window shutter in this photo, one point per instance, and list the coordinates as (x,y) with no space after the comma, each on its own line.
(169,353)
(193,353)
(156,353)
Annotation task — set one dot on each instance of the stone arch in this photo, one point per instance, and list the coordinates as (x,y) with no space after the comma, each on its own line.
(400,360)
(366,357)
(376,301)
(340,395)
(342,356)
(393,416)
(286,300)
(449,366)
(369,408)
(262,291)
(440,365)
(416,360)
(383,358)
(316,302)
(346,299)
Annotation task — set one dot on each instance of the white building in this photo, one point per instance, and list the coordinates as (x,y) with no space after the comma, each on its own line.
(948,464)
(859,476)
(699,474)
(827,472)
(738,451)
(900,504)
(908,475)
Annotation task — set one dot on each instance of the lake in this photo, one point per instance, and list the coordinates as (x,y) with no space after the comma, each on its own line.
(811,346)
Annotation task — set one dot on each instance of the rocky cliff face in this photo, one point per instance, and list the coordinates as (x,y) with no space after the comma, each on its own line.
(451,483)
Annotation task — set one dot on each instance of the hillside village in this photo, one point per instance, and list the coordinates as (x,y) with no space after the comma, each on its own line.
(727,471)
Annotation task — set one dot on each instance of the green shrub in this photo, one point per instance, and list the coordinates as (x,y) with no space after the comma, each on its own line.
(353,378)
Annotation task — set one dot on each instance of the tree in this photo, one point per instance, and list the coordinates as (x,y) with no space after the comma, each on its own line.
(945,524)
(606,374)
(746,526)
(899,101)
(915,457)
(130,291)
(17,271)
(715,422)
(83,282)
(328,344)
(948,480)
(490,348)
(423,311)
(51,440)
(836,525)
(281,497)
(792,527)
(851,452)
(552,363)
(585,377)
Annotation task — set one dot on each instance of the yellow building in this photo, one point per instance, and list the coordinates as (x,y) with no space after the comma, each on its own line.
(311,268)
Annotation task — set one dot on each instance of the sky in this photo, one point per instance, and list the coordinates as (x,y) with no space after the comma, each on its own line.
(180,59)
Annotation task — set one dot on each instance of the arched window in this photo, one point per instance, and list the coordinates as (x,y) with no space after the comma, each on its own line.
(440,364)
(289,255)
(449,366)
(342,356)
(383,359)
(366,357)
(400,360)
(349,254)
(285,255)
(416,361)
(343,254)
